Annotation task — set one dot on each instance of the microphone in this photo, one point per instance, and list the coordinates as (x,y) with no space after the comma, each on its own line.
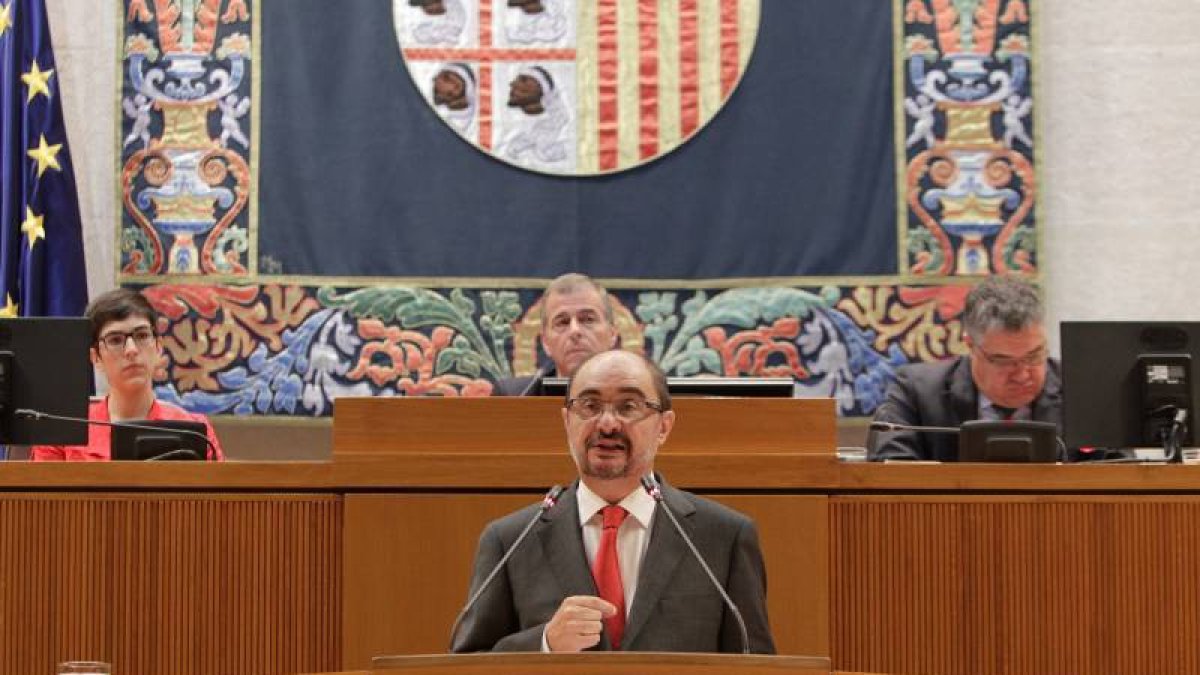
(538,374)
(177,453)
(37,415)
(892,426)
(1060,446)
(548,503)
(651,487)
(1172,451)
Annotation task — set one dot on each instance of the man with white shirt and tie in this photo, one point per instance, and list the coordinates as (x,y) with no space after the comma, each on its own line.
(1006,375)
(604,568)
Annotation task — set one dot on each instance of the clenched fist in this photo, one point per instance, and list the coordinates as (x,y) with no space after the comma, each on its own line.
(577,623)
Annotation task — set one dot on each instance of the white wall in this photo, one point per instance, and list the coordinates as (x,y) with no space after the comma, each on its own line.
(84,33)
(1120,158)
(1118,92)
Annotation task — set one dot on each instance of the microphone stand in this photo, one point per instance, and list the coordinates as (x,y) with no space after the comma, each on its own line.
(37,415)
(536,380)
(177,453)
(891,426)
(651,487)
(548,503)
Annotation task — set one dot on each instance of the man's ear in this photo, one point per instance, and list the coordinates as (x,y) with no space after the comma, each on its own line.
(94,356)
(665,424)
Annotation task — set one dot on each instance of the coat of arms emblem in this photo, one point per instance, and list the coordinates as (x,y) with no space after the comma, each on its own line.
(576,87)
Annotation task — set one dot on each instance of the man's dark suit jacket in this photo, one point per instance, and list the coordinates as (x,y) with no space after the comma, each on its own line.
(675,608)
(943,394)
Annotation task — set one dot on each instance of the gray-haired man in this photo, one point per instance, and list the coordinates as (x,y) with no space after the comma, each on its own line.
(577,322)
(1006,375)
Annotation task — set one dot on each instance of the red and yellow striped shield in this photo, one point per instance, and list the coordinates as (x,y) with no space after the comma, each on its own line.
(576,87)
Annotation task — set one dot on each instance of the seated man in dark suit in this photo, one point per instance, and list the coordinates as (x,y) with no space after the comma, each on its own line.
(605,568)
(577,321)
(1006,375)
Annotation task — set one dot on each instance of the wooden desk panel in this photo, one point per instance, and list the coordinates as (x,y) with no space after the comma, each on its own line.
(170,583)
(410,576)
(406,426)
(1045,584)
(410,557)
(931,569)
(594,663)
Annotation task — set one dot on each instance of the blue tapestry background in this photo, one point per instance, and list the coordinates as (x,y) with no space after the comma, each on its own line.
(310,229)
(347,140)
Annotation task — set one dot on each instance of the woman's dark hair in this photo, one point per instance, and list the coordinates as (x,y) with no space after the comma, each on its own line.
(117,305)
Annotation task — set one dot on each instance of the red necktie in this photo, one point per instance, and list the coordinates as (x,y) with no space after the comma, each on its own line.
(607,572)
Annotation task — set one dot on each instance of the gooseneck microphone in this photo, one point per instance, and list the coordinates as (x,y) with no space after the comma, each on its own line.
(536,380)
(651,487)
(548,503)
(892,426)
(170,454)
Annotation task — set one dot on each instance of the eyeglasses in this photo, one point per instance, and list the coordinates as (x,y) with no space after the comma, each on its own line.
(1033,359)
(116,340)
(627,410)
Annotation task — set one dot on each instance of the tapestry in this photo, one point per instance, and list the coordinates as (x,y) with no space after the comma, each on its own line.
(576,87)
(314,219)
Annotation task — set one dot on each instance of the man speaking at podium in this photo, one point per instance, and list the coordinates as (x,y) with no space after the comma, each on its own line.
(1006,375)
(605,568)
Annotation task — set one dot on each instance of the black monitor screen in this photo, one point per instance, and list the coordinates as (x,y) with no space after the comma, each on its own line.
(773,387)
(44,367)
(1122,380)
(160,440)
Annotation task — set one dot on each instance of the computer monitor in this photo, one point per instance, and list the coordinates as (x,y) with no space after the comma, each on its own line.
(141,440)
(1008,441)
(44,367)
(1124,382)
(772,387)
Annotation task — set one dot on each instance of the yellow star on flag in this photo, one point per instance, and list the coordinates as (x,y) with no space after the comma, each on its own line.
(9,309)
(5,17)
(46,155)
(32,227)
(37,80)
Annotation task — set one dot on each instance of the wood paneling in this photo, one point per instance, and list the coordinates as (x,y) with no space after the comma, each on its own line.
(390,426)
(405,564)
(170,583)
(794,533)
(1053,584)
(408,561)
(479,471)
(923,569)
(924,477)
(615,663)
(499,468)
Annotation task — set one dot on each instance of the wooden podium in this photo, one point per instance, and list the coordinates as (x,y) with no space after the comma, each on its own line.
(282,567)
(600,663)
(475,460)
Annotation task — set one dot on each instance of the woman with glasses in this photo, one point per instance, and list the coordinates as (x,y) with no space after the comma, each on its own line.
(126,349)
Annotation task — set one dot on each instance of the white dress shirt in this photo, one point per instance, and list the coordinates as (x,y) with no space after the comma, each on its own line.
(633,537)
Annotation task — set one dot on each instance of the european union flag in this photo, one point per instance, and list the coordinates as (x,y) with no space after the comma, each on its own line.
(41,243)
